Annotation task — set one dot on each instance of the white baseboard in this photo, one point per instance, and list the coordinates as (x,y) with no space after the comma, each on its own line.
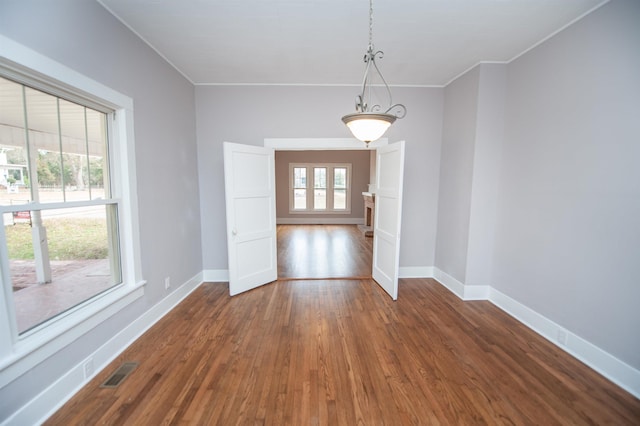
(453,285)
(56,395)
(464,292)
(222,275)
(476,292)
(415,272)
(52,398)
(215,275)
(319,221)
(620,373)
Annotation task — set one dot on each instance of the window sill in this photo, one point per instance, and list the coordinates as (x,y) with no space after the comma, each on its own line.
(319,211)
(42,342)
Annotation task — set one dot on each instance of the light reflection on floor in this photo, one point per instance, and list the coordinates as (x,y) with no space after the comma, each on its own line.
(323,251)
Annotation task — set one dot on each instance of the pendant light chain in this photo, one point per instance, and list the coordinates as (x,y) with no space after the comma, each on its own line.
(371,24)
(371,119)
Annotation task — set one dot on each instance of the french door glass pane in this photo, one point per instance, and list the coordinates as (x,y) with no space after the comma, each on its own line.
(340,199)
(83,250)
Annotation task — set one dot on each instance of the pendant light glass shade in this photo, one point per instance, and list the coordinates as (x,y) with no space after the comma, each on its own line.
(371,120)
(368,126)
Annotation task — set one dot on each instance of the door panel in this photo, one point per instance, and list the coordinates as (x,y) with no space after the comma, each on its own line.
(246,217)
(388,205)
(251,216)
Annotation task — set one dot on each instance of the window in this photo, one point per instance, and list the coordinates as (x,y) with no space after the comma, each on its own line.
(299,188)
(340,188)
(327,190)
(319,188)
(66,155)
(60,220)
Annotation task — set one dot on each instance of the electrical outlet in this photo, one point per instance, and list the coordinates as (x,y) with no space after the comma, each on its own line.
(562,337)
(88,368)
(167,283)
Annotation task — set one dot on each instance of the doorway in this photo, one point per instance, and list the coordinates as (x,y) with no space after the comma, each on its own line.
(319,205)
(251,215)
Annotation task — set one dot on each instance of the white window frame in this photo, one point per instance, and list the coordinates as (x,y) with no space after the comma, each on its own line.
(21,352)
(310,188)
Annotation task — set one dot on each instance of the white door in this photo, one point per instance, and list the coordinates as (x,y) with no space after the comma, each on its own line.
(388,215)
(250,194)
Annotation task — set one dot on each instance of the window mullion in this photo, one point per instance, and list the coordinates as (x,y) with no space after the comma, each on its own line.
(86,141)
(8,324)
(109,163)
(293,187)
(330,187)
(64,193)
(310,187)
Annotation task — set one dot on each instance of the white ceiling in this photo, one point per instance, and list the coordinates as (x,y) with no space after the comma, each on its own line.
(426,42)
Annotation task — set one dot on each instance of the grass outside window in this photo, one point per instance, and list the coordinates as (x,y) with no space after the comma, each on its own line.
(69,239)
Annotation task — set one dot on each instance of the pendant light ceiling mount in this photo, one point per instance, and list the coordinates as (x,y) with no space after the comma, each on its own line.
(370,120)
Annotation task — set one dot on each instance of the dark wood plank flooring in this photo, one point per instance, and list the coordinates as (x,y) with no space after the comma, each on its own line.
(341,352)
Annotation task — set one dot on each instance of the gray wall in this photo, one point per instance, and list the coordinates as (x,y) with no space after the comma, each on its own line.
(456,171)
(85,37)
(469,173)
(568,223)
(567,234)
(540,184)
(359,161)
(249,114)
(486,173)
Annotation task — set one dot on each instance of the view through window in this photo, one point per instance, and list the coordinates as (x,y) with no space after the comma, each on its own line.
(60,222)
(326,190)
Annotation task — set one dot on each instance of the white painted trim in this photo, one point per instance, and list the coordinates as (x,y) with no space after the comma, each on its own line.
(215,275)
(455,286)
(52,398)
(415,272)
(319,221)
(620,373)
(477,64)
(415,86)
(26,60)
(528,49)
(464,292)
(33,347)
(311,187)
(476,292)
(321,144)
(222,275)
(63,330)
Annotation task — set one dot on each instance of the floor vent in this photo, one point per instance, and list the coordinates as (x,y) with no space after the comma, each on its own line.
(119,375)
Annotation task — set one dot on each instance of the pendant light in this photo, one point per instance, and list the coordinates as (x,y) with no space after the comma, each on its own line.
(371,120)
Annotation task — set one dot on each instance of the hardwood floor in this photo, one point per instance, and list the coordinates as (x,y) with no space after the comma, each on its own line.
(323,251)
(341,352)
